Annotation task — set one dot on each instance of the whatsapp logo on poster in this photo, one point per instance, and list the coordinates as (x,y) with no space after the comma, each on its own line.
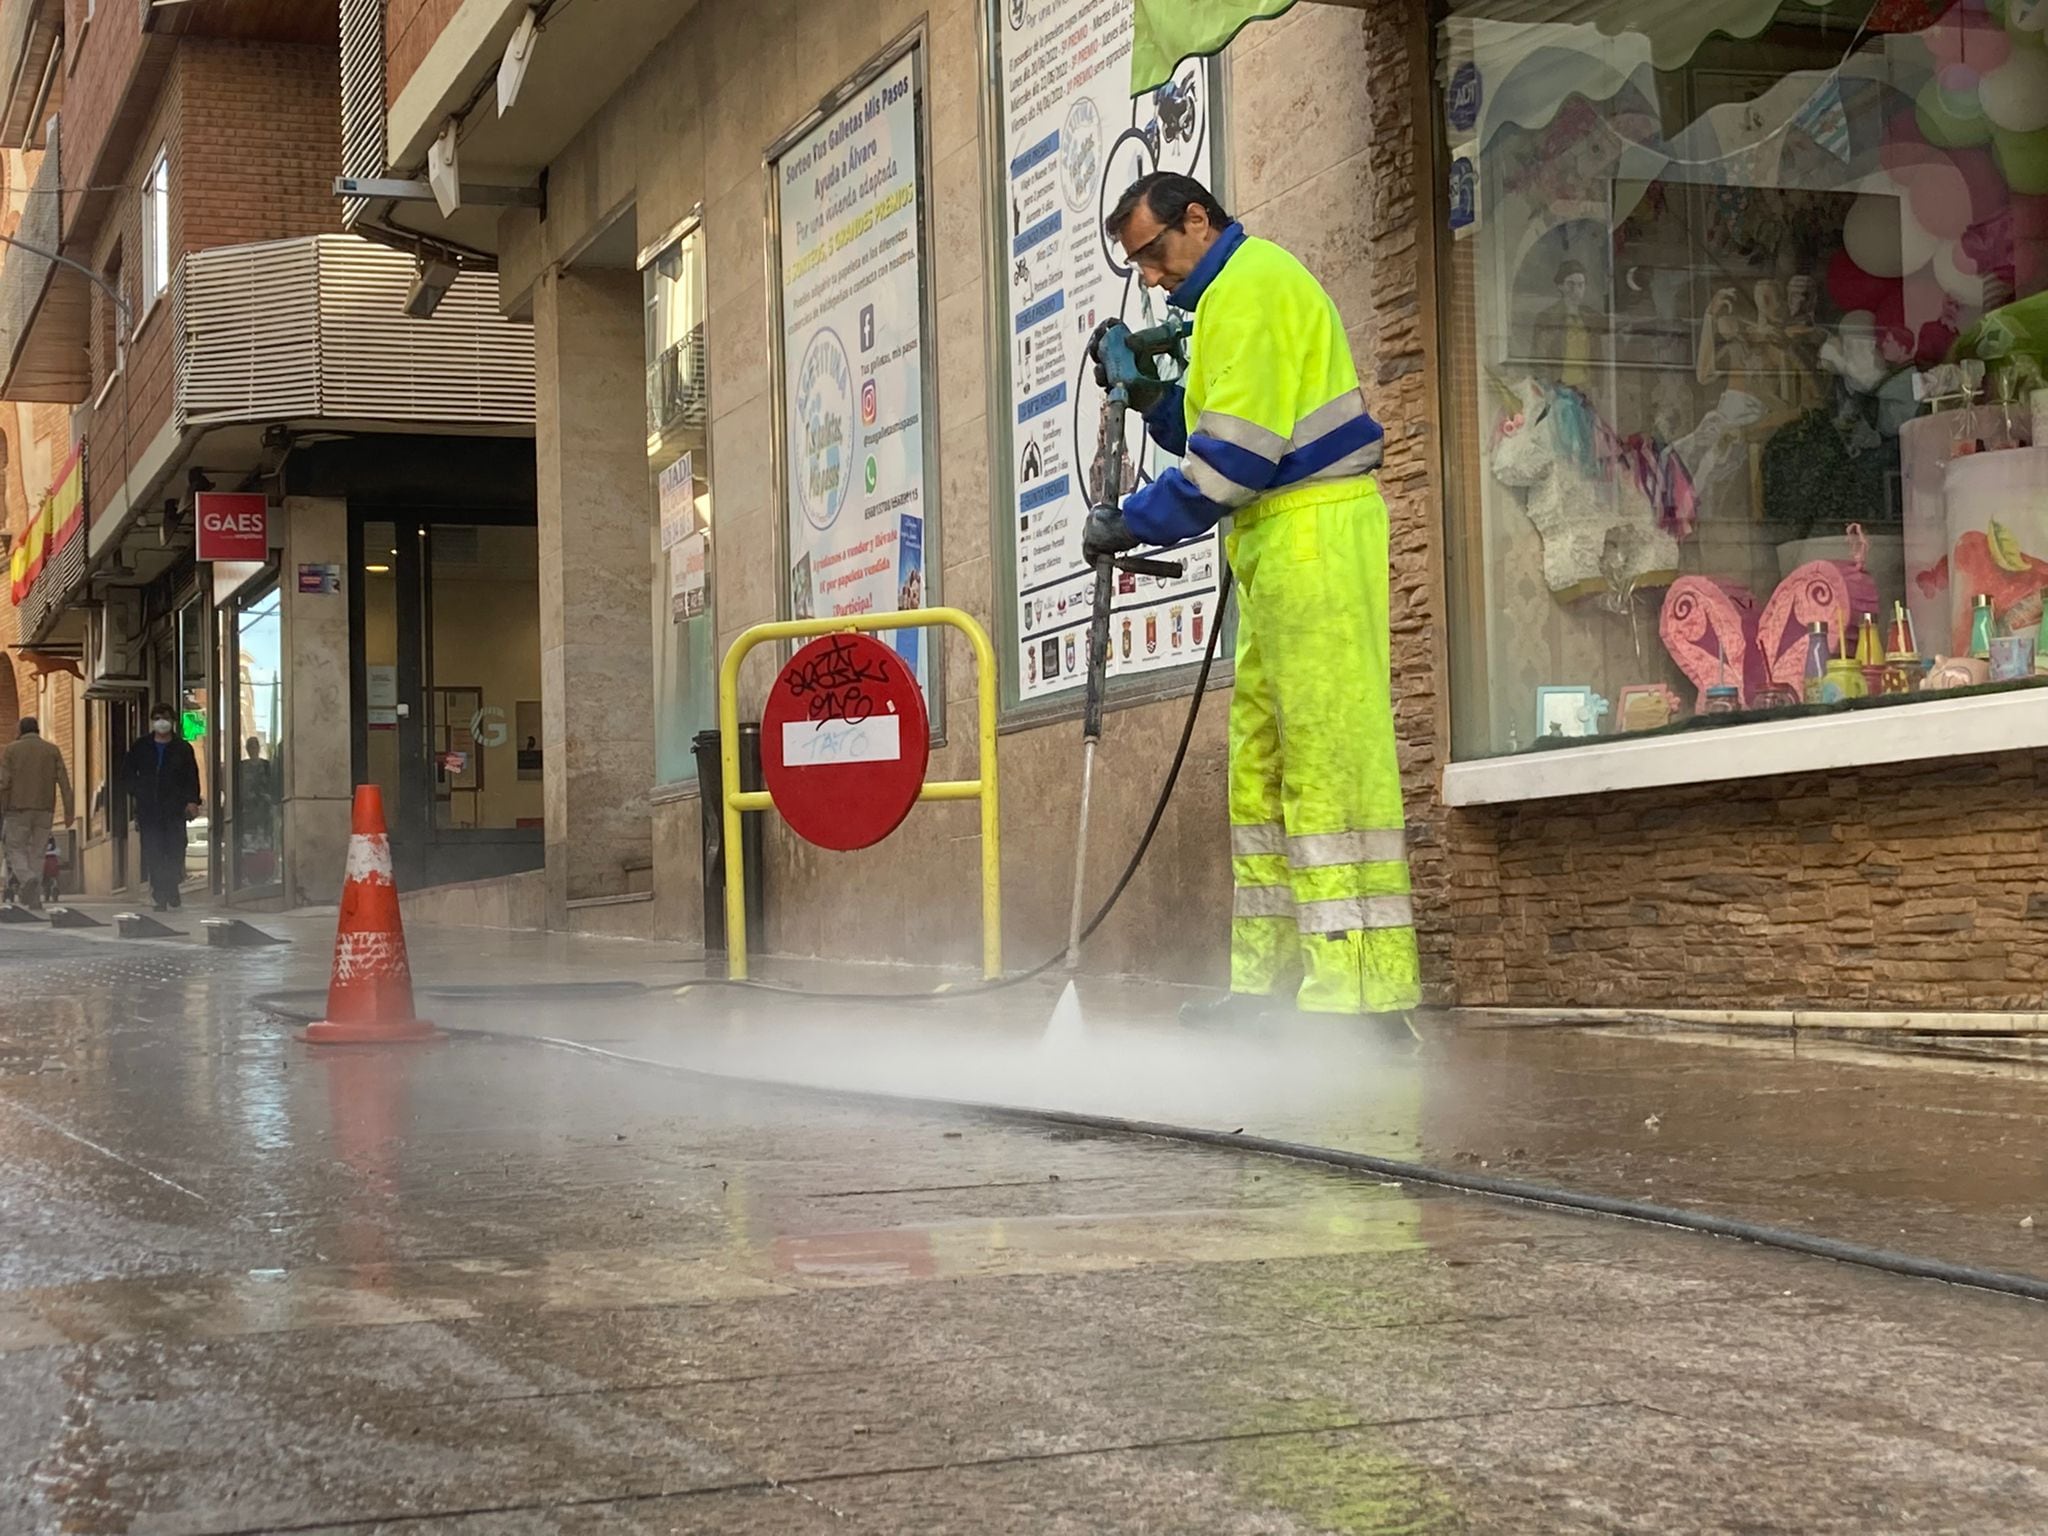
(872,475)
(823,429)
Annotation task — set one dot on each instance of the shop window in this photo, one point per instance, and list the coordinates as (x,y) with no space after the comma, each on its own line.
(1703,264)
(156,229)
(679,463)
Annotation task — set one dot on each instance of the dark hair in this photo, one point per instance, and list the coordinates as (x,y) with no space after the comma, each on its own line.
(1568,269)
(1168,195)
(29,726)
(163,711)
(253,746)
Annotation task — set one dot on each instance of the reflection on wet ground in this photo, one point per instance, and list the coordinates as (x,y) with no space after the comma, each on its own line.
(484,1287)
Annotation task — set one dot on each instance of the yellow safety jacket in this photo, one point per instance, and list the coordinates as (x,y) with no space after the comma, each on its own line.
(1270,398)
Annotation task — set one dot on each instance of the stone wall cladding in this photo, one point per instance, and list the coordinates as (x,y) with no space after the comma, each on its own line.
(1918,886)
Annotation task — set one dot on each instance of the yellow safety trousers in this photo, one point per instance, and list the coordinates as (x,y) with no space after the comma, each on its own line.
(1318,855)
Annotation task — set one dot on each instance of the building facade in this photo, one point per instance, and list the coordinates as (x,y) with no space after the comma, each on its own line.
(1640,295)
(184,318)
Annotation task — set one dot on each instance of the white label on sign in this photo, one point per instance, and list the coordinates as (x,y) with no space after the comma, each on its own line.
(833,742)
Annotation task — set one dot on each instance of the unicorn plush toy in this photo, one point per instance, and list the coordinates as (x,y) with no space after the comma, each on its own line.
(1610,512)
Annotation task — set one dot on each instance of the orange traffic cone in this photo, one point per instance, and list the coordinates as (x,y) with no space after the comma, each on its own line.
(369,1000)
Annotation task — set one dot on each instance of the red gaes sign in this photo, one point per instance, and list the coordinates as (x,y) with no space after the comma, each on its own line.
(233,525)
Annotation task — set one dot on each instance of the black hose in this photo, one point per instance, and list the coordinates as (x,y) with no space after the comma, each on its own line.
(1519,1191)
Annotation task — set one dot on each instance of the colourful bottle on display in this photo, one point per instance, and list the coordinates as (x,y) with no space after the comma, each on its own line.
(1869,657)
(1980,627)
(1902,669)
(1815,671)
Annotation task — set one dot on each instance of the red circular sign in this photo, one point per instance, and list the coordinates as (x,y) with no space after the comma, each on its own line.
(845,741)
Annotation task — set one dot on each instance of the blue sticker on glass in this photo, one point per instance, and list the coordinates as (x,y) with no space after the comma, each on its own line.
(1464,97)
(1464,195)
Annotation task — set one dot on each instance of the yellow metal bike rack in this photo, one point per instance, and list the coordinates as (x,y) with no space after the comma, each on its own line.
(982,788)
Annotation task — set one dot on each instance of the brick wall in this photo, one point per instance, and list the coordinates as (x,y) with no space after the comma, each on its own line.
(104,59)
(410,27)
(121,423)
(252,130)
(1401,384)
(262,143)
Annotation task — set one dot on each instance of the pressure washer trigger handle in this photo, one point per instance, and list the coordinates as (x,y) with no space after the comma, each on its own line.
(1138,565)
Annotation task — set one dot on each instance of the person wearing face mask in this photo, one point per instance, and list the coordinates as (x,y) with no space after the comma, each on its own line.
(161,778)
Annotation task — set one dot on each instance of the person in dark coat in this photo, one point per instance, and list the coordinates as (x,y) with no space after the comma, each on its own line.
(161,777)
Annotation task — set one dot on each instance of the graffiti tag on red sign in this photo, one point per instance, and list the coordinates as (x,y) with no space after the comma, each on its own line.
(845,741)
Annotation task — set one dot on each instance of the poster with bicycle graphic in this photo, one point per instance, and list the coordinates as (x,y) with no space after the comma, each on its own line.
(1073,140)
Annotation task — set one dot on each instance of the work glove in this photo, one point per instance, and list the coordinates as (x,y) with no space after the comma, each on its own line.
(1105,535)
(1095,352)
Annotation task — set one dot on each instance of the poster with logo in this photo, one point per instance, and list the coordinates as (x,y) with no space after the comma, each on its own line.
(1073,139)
(854,359)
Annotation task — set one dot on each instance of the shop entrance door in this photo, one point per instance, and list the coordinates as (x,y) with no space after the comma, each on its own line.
(447,691)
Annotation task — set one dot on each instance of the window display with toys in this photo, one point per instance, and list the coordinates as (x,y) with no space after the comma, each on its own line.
(1747,316)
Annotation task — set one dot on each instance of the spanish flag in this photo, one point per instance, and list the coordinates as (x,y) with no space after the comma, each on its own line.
(53,524)
(1167,31)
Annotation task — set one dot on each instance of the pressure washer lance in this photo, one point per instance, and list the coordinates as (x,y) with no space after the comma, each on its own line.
(1125,355)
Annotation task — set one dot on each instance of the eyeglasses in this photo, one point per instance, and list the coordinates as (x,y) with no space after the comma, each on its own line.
(1147,255)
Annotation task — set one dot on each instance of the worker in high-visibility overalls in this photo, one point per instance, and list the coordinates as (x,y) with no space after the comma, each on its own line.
(1274,433)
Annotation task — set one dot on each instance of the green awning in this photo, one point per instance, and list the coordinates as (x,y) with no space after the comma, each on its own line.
(1167,31)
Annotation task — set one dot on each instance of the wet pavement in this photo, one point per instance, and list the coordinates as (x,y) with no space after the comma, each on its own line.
(485,1286)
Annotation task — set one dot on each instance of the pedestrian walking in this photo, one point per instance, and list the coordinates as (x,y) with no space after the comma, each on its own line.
(32,777)
(161,777)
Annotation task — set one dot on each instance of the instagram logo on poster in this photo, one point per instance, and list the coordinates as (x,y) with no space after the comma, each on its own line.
(869,408)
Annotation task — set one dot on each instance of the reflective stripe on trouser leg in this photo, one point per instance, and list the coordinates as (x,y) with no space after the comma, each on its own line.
(1313,563)
(1264,939)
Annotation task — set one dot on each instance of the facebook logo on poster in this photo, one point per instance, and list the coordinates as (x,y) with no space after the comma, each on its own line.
(867,328)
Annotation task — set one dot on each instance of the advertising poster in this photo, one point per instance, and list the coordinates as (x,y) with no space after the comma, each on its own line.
(677,486)
(854,359)
(1073,140)
(687,583)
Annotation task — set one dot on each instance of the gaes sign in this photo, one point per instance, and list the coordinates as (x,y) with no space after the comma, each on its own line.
(233,525)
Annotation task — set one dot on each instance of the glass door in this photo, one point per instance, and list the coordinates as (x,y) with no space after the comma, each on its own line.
(253,835)
(448,683)
(196,723)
